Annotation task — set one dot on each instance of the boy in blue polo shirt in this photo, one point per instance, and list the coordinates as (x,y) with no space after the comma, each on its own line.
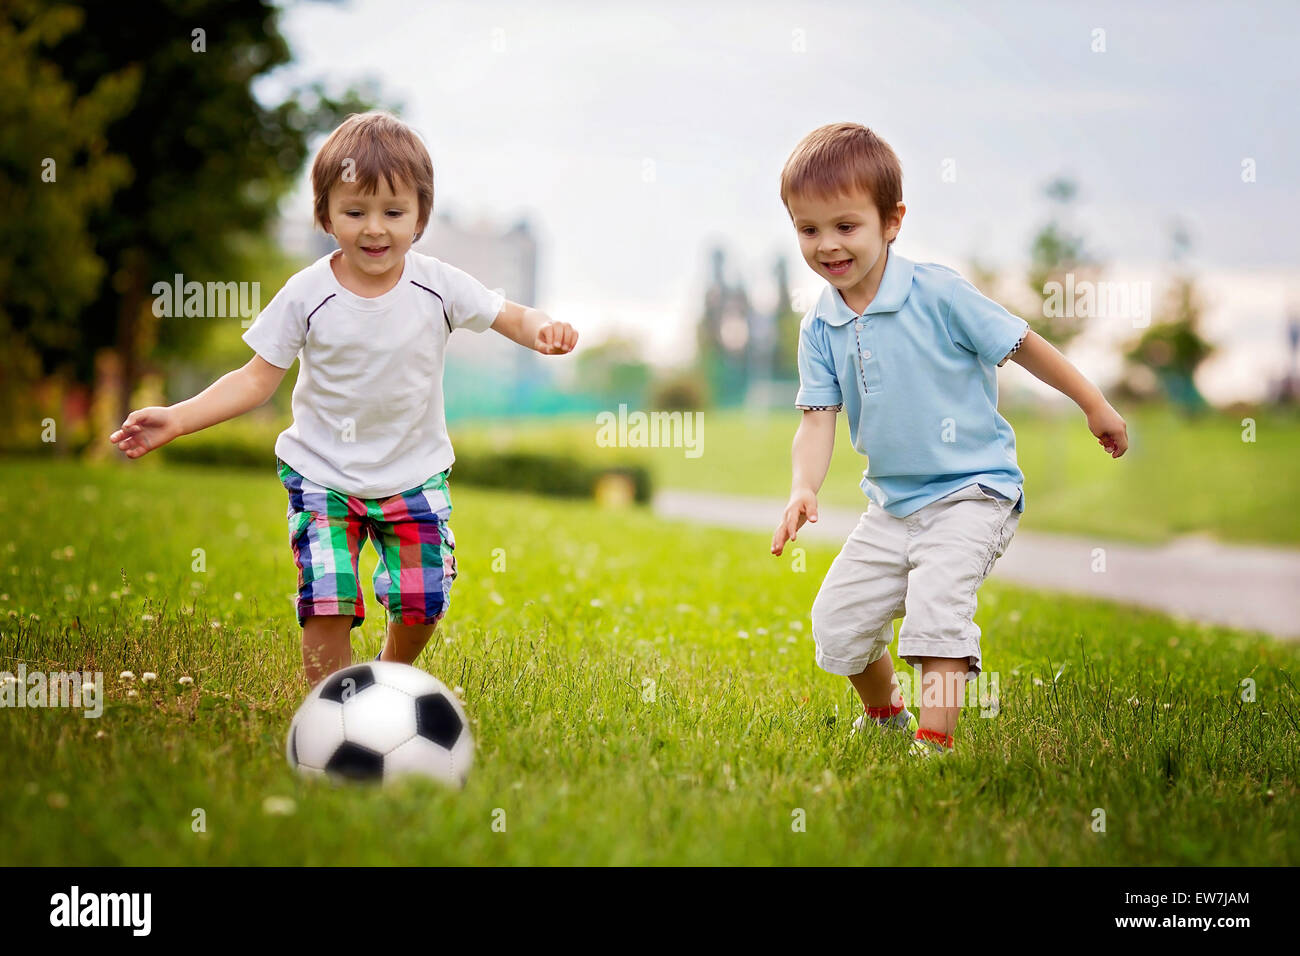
(909,351)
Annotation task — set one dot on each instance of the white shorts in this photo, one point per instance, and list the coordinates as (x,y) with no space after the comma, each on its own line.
(926,567)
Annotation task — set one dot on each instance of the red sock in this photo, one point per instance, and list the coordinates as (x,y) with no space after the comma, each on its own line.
(881,713)
(944,739)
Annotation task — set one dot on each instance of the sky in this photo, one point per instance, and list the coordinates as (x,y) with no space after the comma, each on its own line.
(634,137)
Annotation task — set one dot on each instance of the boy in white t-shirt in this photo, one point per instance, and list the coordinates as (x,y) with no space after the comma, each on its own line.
(367,454)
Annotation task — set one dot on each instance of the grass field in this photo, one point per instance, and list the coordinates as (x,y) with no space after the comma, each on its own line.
(1178,476)
(1100,706)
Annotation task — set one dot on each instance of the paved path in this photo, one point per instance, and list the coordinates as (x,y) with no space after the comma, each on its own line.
(1253,588)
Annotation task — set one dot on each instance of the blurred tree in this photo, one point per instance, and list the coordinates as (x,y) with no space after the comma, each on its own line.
(209,161)
(787,322)
(56,167)
(1056,252)
(1172,348)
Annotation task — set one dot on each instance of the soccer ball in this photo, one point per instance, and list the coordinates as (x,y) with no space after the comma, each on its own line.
(378,721)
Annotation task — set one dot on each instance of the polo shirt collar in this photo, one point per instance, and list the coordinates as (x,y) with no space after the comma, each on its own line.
(895,285)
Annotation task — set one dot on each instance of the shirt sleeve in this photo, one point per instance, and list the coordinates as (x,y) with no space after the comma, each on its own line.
(279,331)
(819,387)
(980,325)
(469,303)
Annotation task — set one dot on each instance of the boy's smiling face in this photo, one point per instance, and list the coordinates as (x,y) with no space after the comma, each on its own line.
(843,241)
(374,230)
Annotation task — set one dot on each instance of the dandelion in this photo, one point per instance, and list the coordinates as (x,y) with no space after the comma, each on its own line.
(126,675)
(186,681)
(743,635)
(278,806)
(148,676)
(146,617)
(239,596)
(133,693)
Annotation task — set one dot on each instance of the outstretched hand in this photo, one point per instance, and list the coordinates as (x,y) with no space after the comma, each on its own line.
(146,429)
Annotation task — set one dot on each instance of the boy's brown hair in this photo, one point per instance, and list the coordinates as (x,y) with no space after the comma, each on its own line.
(841,158)
(378,144)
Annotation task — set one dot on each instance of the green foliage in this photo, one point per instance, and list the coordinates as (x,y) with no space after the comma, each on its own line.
(543,474)
(56,168)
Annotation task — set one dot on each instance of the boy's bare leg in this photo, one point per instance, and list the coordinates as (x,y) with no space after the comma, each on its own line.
(326,645)
(943,684)
(877,685)
(405,641)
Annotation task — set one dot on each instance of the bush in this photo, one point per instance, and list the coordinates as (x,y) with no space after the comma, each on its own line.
(543,474)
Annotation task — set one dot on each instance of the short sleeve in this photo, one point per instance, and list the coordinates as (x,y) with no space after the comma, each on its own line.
(819,387)
(980,325)
(469,304)
(279,331)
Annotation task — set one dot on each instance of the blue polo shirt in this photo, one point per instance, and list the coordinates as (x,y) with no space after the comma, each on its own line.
(917,376)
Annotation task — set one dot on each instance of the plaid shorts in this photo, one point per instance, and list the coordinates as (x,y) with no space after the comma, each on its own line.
(410,532)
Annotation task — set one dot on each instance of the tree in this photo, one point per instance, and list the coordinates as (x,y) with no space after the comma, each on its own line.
(1172,348)
(56,168)
(208,161)
(1056,252)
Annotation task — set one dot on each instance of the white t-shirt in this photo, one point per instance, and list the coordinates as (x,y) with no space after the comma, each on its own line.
(367,408)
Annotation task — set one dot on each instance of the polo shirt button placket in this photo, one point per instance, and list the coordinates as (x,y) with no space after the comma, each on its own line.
(862,356)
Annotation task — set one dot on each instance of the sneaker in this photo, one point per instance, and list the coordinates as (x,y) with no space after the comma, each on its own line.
(903,720)
(928,748)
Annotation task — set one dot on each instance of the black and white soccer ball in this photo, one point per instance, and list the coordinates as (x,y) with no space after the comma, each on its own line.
(378,721)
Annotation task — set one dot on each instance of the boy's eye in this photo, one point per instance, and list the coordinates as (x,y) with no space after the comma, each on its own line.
(847,226)
(808,230)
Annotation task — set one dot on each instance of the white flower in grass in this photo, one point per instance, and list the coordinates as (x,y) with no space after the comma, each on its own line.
(126,675)
(132,693)
(743,635)
(239,596)
(1038,682)
(458,691)
(148,676)
(146,617)
(100,734)
(186,680)
(216,625)
(1135,702)
(278,806)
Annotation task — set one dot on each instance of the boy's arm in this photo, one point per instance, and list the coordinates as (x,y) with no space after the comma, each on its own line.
(1047,364)
(810,454)
(534,329)
(228,397)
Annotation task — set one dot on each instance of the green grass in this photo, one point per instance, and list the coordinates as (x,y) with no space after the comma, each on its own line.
(1178,476)
(553,653)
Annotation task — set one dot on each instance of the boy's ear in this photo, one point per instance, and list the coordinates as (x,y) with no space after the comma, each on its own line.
(896,221)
